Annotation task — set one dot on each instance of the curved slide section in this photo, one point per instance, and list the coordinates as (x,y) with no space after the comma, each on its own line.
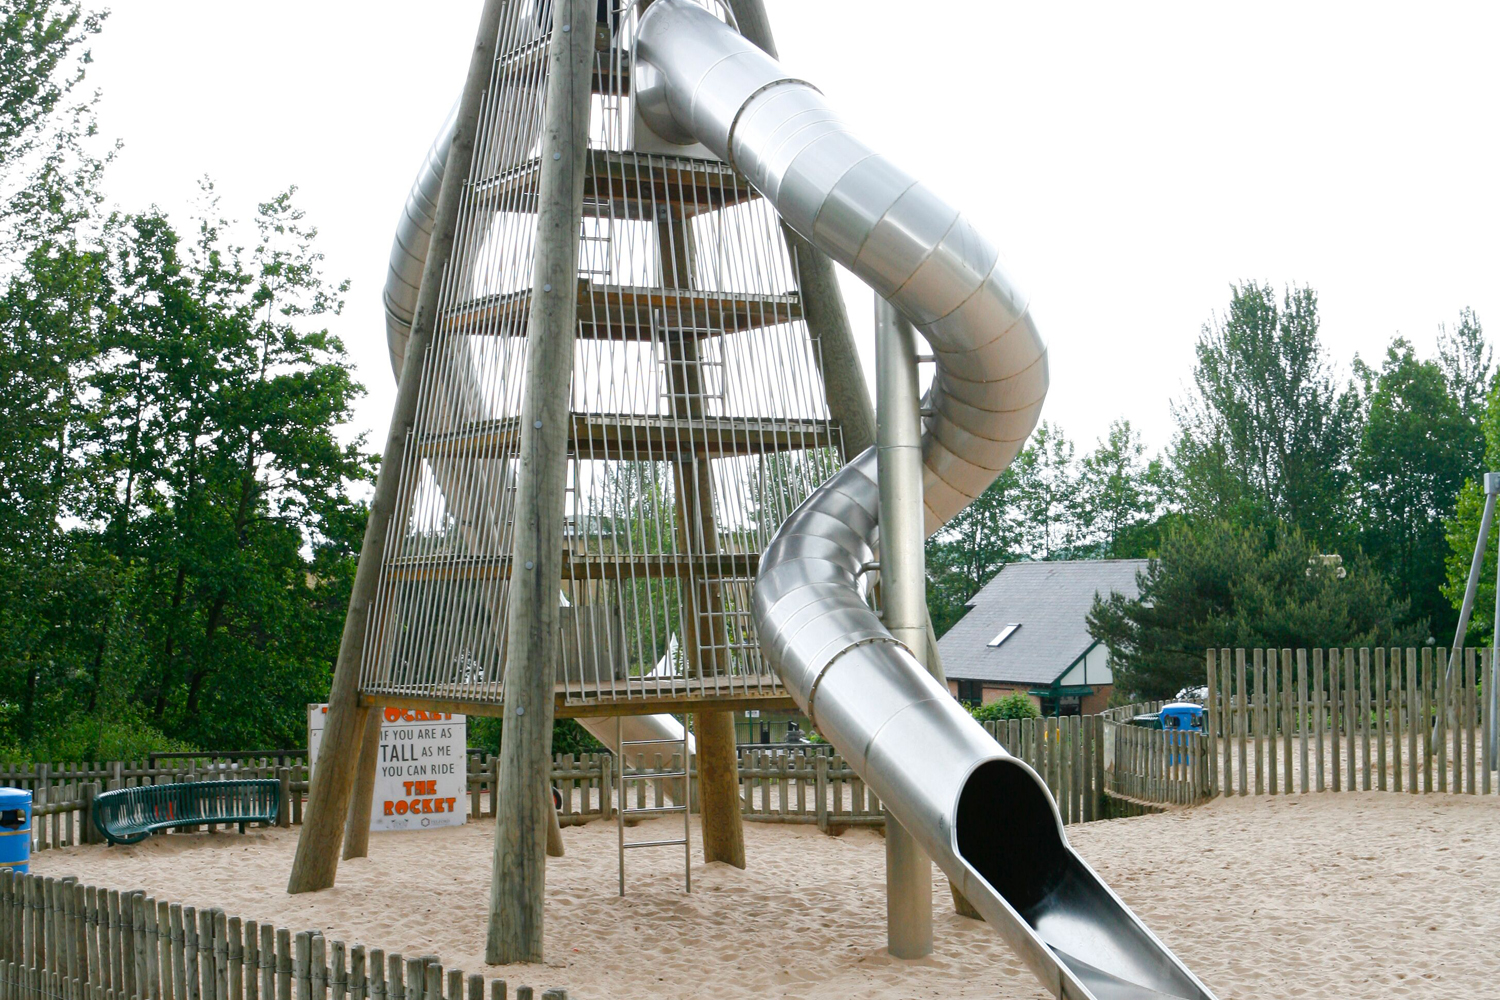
(402,282)
(983,816)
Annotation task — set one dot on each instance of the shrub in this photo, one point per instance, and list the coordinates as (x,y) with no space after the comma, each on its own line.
(1012,706)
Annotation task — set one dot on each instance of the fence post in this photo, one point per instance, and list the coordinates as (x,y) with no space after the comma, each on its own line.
(1211,714)
(89,790)
(820,789)
(284,780)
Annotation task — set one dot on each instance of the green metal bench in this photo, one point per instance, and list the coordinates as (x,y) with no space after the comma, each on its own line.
(130,815)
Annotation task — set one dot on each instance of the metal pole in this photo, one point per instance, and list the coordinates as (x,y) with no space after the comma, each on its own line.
(532,641)
(903,597)
(1471,588)
(1492,682)
(316,862)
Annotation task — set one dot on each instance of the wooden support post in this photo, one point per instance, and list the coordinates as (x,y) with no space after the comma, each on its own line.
(554,828)
(362,802)
(702,627)
(317,858)
(521,814)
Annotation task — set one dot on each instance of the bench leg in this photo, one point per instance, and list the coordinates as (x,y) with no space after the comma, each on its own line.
(242,829)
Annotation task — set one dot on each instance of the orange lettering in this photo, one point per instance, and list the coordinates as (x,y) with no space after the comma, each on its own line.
(390,807)
(401,808)
(450,803)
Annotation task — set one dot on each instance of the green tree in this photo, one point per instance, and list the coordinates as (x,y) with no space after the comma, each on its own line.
(1118,496)
(1218,585)
(1468,365)
(186,543)
(1462,531)
(1267,435)
(48,175)
(1413,455)
(1046,494)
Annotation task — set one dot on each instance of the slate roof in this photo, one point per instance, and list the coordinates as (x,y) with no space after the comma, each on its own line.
(1050,601)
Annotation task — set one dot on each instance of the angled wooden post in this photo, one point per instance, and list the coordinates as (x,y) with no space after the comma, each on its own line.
(317,858)
(523,804)
(357,827)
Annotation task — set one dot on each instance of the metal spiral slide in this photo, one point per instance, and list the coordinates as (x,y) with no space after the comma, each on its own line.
(984,817)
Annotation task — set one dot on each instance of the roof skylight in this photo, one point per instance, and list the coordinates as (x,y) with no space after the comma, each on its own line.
(1005,633)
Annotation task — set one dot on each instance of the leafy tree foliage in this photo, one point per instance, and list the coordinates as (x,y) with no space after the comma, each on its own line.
(179,556)
(1216,585)
(1463,533)
(1268,434)
(1119,497)
(1415,451)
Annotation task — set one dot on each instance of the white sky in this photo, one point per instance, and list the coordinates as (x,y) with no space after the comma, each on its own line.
(1130,160)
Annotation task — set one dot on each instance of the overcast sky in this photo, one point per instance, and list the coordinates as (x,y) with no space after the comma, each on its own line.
(1130,160)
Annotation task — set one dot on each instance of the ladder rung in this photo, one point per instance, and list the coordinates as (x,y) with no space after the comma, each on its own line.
(641,743)
(657,843)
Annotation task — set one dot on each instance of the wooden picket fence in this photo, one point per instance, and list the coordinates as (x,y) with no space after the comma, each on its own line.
(1279,721)
(62,940)
(811,785)
(63,793)
(808,787)
(1146,768)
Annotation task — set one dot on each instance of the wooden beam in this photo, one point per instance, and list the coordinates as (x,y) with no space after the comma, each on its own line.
(522,806)
(316,862)
(357,827)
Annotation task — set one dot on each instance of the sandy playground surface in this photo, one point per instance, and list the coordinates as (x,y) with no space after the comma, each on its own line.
(1337,896)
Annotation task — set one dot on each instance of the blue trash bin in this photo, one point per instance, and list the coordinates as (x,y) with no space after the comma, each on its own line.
(15,829)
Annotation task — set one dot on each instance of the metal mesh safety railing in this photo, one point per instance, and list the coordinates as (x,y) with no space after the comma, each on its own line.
(698,419)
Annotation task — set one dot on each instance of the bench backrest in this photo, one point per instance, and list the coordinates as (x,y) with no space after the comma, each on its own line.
(189,802)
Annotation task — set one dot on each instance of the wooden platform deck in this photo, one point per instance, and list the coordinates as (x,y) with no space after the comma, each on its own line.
(627,185)
(632,313)
(633,696)
(638,438)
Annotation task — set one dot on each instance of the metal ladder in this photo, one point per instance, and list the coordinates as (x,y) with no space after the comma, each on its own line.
(622,780)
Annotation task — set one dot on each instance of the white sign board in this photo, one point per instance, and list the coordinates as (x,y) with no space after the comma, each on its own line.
(421,778)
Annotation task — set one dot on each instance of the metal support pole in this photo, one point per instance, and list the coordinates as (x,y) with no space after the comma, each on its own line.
(316,862)
(903,597)
(1492,682)
(1471,588)
(532,646)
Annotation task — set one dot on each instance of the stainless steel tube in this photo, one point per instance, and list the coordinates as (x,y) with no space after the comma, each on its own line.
(903,597)
(982,815)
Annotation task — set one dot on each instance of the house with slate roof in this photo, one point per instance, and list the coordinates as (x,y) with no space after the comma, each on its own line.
(1027,631)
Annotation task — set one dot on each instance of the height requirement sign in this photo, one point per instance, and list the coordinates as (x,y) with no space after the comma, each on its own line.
(419,782)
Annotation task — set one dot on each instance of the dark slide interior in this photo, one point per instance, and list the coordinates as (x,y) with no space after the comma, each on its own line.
(1008,831)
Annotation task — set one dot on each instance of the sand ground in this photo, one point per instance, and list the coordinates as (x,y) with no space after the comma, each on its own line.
(1318,896)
